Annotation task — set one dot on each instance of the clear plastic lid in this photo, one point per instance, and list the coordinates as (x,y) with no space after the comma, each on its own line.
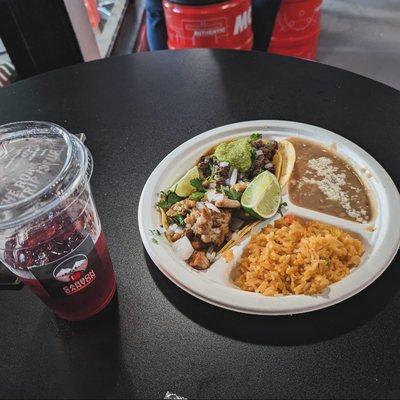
(41,164)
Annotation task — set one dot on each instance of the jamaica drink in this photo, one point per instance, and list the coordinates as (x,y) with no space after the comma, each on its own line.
(50,232)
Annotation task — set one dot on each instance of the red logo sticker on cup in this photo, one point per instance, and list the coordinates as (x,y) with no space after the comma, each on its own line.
(70,274)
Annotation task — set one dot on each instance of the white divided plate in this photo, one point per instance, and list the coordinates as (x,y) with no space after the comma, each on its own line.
(381,235)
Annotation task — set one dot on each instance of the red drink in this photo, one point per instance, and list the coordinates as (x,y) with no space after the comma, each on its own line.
(88,302)
(60,253)
(79,292)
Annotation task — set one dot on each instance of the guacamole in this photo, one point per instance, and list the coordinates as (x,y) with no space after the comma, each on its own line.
(236,153)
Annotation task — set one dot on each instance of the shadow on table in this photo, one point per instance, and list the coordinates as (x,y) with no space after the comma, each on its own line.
(94,355)
(284,330)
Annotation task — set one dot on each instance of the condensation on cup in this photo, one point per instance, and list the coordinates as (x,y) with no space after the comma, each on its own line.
(50,232)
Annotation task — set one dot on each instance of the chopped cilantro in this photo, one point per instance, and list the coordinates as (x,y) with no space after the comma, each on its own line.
(155,232)
(327,260)
(255,136)
(212,170)
(196,183)
(179,220)
(168,200)
(196,196)
(232,194)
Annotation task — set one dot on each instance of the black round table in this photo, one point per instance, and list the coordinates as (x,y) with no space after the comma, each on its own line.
(154,338)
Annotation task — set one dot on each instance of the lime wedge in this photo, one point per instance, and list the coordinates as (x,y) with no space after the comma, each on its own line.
(183,187)
(263,196)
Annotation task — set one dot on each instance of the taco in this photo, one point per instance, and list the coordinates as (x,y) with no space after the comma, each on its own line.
(201,213)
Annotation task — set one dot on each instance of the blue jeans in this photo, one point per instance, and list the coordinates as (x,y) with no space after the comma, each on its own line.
(155,25)
(263,15)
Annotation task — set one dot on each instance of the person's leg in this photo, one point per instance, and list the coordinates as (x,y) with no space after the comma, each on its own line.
(263,20)
(155,25)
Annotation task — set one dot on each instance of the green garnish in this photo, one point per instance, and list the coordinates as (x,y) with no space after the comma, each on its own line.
(196,183)
(212,170)
(232,194)
(179,220)
(196,196)
(168,200)
(327,260)
(255,136)
(155,232)
(282,205)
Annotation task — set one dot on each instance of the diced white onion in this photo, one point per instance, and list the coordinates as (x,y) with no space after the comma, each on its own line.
(212,195)
(218,197)
(269,165)
(259,152)
(212,207)
(223,164)
(183,248)
(212,185)
(211,255)
(233,177)
(200,205)
(173,227)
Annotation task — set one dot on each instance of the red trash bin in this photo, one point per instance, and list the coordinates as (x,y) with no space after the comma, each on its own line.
(93,13)
(209,24)
(297,29)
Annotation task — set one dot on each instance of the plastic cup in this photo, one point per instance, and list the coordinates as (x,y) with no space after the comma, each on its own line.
(50,232)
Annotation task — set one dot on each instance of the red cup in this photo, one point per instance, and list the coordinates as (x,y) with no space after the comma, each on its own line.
(225,25)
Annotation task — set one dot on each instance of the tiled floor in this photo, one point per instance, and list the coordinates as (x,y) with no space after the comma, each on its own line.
(362,36)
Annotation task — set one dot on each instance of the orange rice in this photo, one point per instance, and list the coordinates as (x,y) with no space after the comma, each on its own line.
(297,257)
